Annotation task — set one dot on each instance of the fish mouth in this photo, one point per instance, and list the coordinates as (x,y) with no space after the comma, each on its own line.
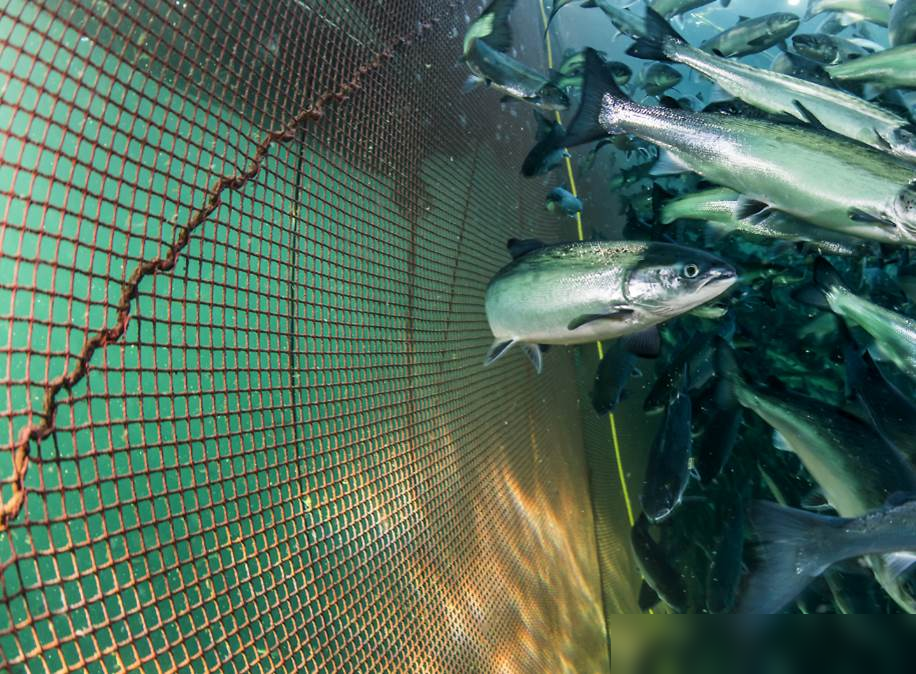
(720,275)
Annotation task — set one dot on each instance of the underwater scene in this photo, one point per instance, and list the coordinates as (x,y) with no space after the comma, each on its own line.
(753,290)
(456,336)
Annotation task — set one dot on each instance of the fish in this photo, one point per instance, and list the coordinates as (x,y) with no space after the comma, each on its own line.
(802,68)
(901,27)
(874,11)
(655,568)
(693,362)
(668,464)
(712,452)
(657,78)
(778,94)
(794,547)
(890,412)
(719,207)
(726,565)
(826,180)
(614,371)
(716,204)
(856,469)
(557,5)
(631,175)
(894,334)
(890,68)
(564,200)
(837,22)
(751,36)
(627,22)
(573,63)
(486,42)
(548,152)
(830,49)
(576,293)
(671,8)
(621,73)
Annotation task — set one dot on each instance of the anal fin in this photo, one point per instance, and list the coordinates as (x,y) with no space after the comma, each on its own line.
(535,355)
(497,350)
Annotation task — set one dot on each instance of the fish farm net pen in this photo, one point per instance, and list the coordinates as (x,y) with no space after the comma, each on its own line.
(245,425)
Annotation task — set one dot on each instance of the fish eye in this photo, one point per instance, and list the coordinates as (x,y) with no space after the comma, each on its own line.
(691,271)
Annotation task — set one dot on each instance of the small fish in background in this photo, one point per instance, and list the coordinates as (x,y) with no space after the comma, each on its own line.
(576,293)
(668,464)
(888,69)
(831,49)
(874,11)
(892,413)
(627,22)
(632,174)
(672,8)
(548,152)
(657,78)
(486,46)
(655,567)
(901,27)
(751,36)
(793,547)
(894,334)
(564,201)
(719,209)
(614,371)
(726,565)
(801,67)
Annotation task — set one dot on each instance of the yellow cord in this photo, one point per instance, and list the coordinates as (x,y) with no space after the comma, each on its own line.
(572,188)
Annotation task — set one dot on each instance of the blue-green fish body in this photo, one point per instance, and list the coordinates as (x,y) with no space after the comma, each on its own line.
(875,11)
(751,36)
(890,68)
(671,8)
(795,546)
(583,292)
(627,22)
(901,27)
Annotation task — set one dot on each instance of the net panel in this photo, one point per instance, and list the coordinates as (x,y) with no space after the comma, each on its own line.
(244,422)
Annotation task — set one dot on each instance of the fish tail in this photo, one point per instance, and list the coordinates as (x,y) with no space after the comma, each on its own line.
(656,45)
(589,123)
(793,547)
(827,280)
(827,277)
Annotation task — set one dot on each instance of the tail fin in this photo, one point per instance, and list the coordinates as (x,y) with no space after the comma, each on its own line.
(790,553)
(826,276)
(500,33)
(598,81)
(652,47)
(660,196)
(557,6)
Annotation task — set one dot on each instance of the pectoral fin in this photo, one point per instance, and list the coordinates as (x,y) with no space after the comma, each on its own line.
(615,315)
(535,355)
(858,215)
(497,350)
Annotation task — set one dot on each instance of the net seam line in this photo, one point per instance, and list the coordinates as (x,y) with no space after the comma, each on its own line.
(11,508)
